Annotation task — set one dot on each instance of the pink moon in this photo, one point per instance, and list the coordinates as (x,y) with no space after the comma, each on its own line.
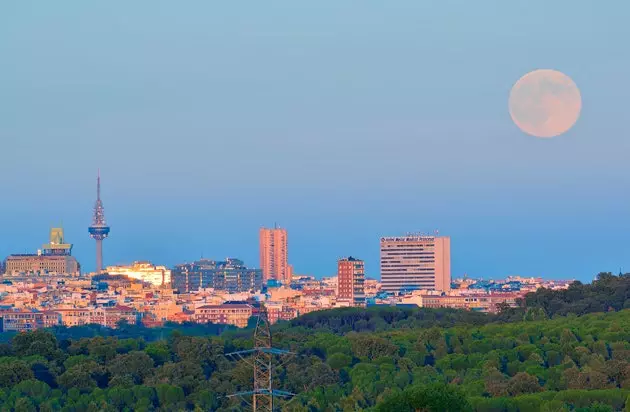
(545,103)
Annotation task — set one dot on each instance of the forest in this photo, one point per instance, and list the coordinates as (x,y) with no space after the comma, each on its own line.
(559,351)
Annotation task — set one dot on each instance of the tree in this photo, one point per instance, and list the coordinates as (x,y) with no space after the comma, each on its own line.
(523,383)
(24,405)
(186,375)
(38,342)
(83,377)
(432,398)
(158,351)
(136,364)
(372,347)
(202,351)
(170,396)
(14,372)
(496,383)
(339,361)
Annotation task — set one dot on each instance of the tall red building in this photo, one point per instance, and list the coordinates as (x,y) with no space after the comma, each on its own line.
(350,280)
(274,255)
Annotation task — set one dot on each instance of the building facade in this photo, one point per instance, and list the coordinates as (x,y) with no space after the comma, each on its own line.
(106,316)
(415,262)
(23,321)
(236,314)
(277,311)
(274,255)
(55,257)
(230,275)
(42,264)
(143,271)
(350,281)
(480,303)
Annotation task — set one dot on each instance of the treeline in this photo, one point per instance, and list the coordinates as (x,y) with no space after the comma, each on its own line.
(383,318)
(565,363)
(127,331)
(607,293)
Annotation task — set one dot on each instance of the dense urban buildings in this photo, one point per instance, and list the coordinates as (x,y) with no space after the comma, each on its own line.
(55,257)
(230,275)
(99,229)
(415,262)
(143,271)
(350,281)
(274,255)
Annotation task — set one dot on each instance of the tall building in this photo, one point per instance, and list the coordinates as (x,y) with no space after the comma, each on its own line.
(415,262)
(274,255)
(231,276)
(143,271)
(55,257)
(350,281)
(99,229)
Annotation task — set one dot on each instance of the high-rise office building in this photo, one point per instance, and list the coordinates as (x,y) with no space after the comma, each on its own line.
(350,281)
(274,255)
(415,262)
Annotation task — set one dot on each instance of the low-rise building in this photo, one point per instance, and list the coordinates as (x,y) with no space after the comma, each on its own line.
(280,311)
(482,303)
(105,316)
(22,321)
(236,314)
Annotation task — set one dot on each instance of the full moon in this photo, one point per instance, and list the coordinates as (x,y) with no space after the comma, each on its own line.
(545,103)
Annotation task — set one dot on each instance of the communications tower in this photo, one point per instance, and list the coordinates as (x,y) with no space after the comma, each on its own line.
(99,229)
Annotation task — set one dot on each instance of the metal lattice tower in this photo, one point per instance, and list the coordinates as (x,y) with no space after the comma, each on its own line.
(262,360)
(99,229)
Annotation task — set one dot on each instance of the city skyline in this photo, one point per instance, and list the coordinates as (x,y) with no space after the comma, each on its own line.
(262,230)
(342,123)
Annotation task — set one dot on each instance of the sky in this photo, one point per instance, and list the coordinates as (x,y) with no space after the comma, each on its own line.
(342,121)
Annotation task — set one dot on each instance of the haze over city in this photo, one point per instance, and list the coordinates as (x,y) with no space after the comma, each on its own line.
(341,124)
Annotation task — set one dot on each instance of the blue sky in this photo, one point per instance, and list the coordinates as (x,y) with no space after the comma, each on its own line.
(341,121)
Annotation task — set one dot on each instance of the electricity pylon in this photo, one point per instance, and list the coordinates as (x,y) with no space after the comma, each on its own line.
(262,358)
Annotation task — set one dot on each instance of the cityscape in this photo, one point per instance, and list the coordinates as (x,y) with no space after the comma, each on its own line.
(48,288)
(328,206)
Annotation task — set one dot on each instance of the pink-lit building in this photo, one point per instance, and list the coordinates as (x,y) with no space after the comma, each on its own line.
(274,255)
